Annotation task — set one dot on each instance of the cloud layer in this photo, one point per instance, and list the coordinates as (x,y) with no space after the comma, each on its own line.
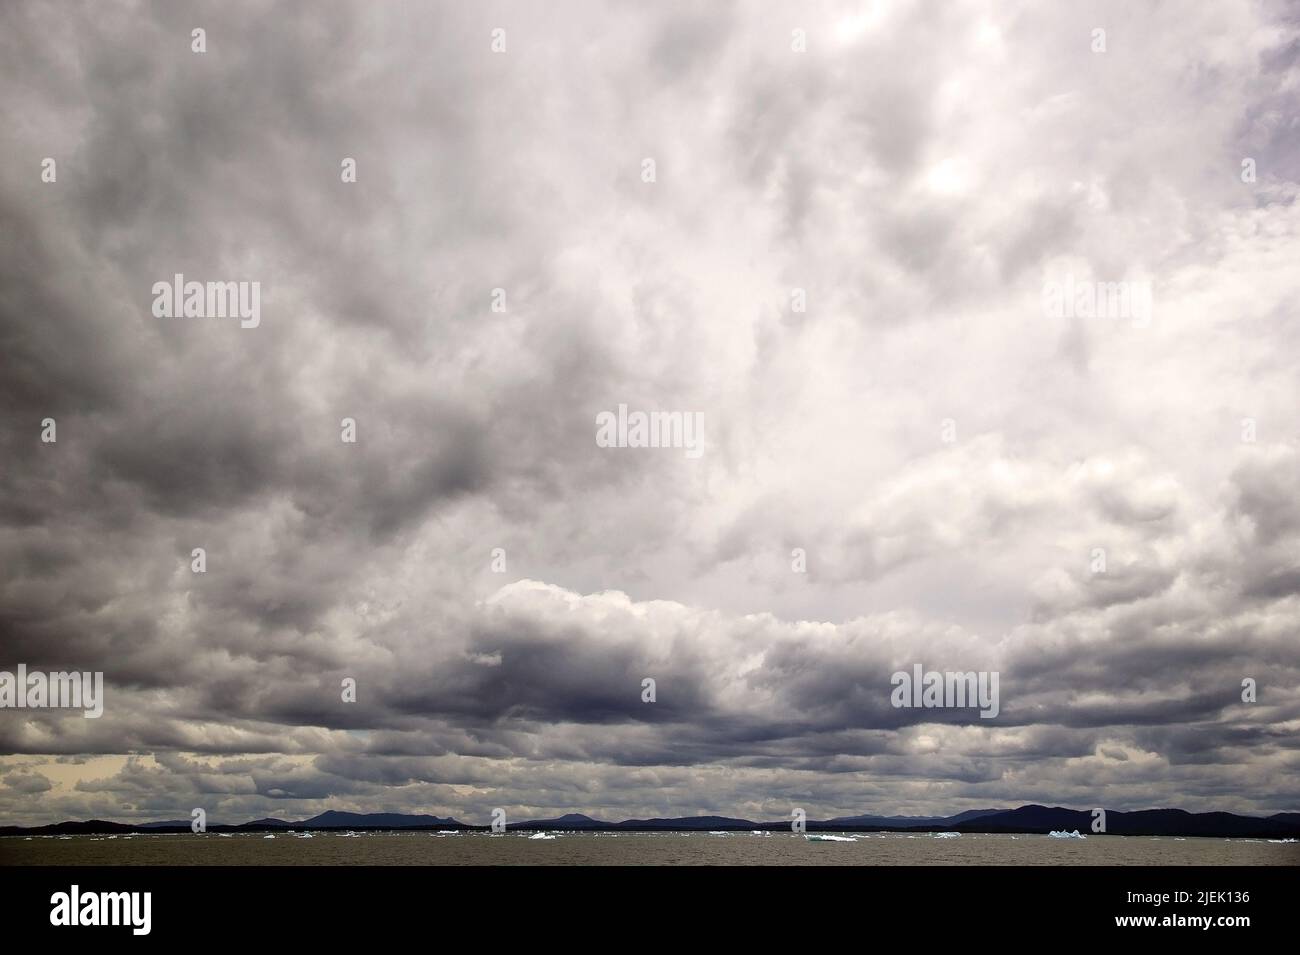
(949,459)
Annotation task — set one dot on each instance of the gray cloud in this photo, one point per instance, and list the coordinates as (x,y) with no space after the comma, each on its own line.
(920,173)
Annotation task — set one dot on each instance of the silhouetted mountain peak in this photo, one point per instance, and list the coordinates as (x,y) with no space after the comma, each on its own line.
(333,818)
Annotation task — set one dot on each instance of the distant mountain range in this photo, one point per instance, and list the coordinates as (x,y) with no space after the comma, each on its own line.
(907,821)
(1027,819)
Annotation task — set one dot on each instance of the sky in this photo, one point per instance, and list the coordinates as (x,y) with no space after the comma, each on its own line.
(841,258)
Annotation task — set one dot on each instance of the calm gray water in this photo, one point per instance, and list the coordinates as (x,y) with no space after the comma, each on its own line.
(424,848)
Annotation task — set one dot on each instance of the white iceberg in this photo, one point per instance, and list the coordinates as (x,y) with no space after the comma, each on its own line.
(1065,835)
(827,838)
(541,835)
(946,835)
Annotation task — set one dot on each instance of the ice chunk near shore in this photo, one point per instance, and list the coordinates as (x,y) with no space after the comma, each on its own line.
(945,835)
(541,835)
(1065,835)
(826,838)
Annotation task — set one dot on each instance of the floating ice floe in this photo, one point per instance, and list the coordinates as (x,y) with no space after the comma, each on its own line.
(305,835)
(946,835)
(1281,840)
(825,838)
(268,836)
(541,835)
(1065,835)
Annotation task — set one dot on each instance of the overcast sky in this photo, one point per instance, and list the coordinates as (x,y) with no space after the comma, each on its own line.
(949,456)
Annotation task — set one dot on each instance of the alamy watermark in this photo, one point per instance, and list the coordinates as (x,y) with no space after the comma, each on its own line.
(651,429)
(1129,300)
(931,689)
(74,907)
(181,299)
(36,690)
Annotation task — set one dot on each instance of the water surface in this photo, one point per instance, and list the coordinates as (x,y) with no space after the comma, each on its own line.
(634,848)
